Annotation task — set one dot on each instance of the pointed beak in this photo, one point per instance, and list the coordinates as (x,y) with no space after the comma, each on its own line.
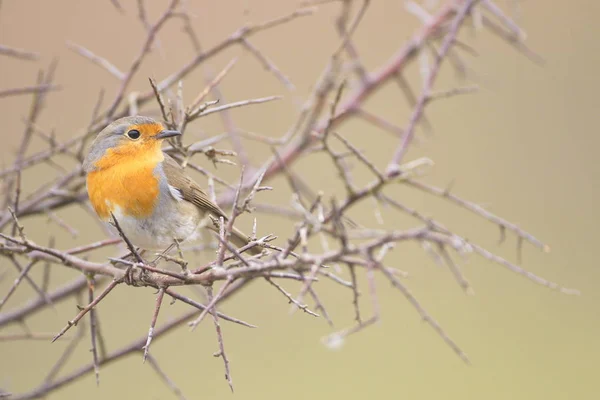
(167,134)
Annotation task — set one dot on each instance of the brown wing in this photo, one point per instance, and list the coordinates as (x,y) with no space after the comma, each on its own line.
(189,189)
(192,192)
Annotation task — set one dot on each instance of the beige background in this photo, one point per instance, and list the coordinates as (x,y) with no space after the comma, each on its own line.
(525,147)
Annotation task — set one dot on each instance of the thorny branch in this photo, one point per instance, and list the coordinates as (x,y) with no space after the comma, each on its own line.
(324,218)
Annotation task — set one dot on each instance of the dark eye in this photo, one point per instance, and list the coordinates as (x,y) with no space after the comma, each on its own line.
(133,134)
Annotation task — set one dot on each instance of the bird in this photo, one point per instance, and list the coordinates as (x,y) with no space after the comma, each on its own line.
(155,203)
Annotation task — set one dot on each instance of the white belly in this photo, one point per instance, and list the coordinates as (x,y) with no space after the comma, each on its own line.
(157,233)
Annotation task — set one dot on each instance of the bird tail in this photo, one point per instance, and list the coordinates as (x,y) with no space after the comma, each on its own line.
(237,237)
(240,239)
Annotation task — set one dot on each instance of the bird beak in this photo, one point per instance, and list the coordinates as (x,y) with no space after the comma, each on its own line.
(167,134)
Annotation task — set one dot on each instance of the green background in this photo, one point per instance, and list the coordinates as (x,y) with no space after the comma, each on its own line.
(524,146)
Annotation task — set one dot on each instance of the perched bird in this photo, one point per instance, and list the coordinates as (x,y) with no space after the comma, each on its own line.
(153,200)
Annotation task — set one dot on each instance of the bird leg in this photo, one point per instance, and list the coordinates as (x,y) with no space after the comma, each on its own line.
(180,261)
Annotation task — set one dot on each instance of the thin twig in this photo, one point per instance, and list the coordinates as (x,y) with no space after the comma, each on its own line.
(86,309)
(152,361)
(29,90)
(159,299)
(93,329)
(221,352)
(393,167)
(18,53)
(303,307)
(100,61)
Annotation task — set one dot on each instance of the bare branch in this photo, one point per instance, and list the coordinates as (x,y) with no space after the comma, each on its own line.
(18,53)
(86,309)
(159,299)
(28,90)
(102,62)
(221,352)
(326,239)
(393,167)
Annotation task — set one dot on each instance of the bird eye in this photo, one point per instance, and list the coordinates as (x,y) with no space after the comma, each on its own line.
(133,134)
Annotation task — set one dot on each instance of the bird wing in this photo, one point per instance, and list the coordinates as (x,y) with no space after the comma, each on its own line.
(190,190)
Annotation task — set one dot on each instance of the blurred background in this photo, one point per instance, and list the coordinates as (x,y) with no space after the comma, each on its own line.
(524,146)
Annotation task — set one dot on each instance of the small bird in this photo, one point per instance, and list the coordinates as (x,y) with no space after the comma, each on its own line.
(153,200)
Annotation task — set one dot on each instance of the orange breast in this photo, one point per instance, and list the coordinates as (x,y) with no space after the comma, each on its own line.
(126,181)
